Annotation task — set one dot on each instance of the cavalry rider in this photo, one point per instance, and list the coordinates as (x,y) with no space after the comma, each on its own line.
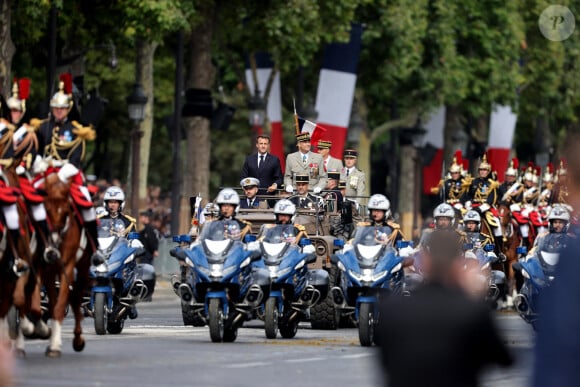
(228,202)
(510,189)
(452,189)
(524,205)
(560,193)
(114,200)
(63,139)
(482,196)
(379,208)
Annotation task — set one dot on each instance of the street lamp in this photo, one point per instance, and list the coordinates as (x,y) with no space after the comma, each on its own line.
(136,106)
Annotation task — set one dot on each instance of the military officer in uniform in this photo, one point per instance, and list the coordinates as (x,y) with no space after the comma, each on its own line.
(560,194)
(355,179)
(305,162)
(250,186)
(330,163)
(304,199)
(333,195)
(510,189)
(453,188)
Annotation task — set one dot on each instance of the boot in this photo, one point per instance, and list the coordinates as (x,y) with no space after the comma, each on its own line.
(91,228)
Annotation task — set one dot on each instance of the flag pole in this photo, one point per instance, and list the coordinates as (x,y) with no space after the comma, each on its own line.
(296,117)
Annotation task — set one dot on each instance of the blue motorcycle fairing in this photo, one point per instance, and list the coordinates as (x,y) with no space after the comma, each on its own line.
(385,265)
(231,260)
(367,300)
(221,294)
(534,269)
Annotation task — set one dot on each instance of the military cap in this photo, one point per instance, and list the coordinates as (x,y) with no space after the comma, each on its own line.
(324,144)
(335,175)
(302,178)
(341,184)
(249,181)
(305,136)
(350,153)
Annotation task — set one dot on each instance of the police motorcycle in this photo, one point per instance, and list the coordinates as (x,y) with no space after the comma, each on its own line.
(539,266)
(293,287)
(118,281)
(222,288)
(370,268)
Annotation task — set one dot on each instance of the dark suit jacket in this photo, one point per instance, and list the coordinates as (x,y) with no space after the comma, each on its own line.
(437,337)
(268,173)
(244,203)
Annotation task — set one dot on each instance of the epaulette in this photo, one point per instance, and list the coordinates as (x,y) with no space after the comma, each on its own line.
(8,124)
(363,224)
(300,227)
(36,122)
(393,225)
(466,182)
(84,132)
(462,233)
(486,236)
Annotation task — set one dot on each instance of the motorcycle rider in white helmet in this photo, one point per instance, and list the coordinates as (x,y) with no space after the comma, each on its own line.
(114,200)
(379,208)
(472,223)
(228,201)
(559,222)
(444,217)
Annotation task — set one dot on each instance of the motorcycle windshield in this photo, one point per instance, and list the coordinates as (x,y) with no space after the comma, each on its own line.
(278,233)
(370,243)
(219,230)
(549,248)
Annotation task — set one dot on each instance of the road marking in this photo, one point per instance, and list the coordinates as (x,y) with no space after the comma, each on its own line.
(247,365)
(356,355)
(304,360)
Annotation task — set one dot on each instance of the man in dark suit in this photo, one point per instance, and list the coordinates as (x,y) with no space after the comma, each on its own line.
(263,166)
(438,336)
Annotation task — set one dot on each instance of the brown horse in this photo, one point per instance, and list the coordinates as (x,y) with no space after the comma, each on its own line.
(73,272)
(512,239)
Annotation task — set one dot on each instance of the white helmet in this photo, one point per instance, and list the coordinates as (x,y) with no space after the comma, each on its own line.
(444,210)
(115,193)
(560,213)
(285,207)
(472,216)
(380,202)
(228,196)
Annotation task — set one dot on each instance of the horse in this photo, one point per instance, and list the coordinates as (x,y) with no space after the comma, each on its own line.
(73,271)
(512,239)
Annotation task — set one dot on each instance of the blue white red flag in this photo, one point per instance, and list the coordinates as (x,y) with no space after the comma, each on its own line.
(316,131)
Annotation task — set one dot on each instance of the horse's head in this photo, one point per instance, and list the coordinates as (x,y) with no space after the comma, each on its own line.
(57,203)
(505,215)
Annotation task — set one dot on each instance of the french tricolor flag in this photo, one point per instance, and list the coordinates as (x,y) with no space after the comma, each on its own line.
(316,131)
(434,136)
(502,125)
(264,65)
(336,86)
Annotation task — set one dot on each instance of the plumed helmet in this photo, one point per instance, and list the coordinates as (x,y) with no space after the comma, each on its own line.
(457,163)
(548,176)
(63,97)
(563,168)
(471,216)
(228,196)
(284,207)
(20,93)
(444,210)
(24,141)
(115,193)
(529,175)
(484,163)
(513,167)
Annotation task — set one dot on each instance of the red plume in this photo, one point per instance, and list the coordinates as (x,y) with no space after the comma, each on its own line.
(66,78)
(465,163)
(516,163)
(538,170)
(530,166)
(550,168)
(458,157)
(24,88)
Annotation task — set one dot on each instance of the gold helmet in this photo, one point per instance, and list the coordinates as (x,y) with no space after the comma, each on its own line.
(457,163)
(530,171)
(20,93)
(513,167)
(548,176)
(484,164)
(63,97)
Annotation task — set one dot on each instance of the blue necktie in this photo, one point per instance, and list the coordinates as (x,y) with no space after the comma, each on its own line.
(304,159)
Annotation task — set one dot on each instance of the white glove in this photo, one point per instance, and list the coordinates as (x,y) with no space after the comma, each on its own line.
(406,251)
(40,165)
(470,255)
(317,190)
(515,207)
(468,204)
(484,207)
(289,189)
(308,249)
(66,172)
(458,206)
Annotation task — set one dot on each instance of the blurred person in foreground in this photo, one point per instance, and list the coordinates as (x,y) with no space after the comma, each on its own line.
(558,340)
(440,336)
(6,366)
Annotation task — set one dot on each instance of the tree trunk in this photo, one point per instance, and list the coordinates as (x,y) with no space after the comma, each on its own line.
(7,48)
(452,134)
(200,75)
(145,56)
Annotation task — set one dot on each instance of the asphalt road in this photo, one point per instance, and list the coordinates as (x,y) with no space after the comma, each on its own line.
(157,350)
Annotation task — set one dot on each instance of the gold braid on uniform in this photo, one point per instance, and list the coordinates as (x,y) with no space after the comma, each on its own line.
(55,145)
(6,140)
(132,226)
(246,229)
(301,233)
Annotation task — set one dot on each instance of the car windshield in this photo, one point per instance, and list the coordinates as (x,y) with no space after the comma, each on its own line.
(219,230)
(111,227)
(279,233)
(369,236)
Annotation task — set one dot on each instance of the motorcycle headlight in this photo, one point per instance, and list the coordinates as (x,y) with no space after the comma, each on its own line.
(114,266)
(525,274)
(189,262)
(129,259)
(365,276)
(229,270)
(299,265)
(273,270)
(486,266)
(216,270)
(397,268)
(245,262)
(102,270)
(379,275)
(341,266)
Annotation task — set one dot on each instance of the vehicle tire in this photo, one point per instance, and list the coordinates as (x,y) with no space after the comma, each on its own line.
(115,327)
(366,324)
(13,321)
(230,334)
(100,313)
(289,329)
(216,320)
(324,315)
(271,318)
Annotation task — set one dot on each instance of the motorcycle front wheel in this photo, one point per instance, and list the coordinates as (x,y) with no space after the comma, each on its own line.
(271,318)
(366,324)
(100,313)
(216,320)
